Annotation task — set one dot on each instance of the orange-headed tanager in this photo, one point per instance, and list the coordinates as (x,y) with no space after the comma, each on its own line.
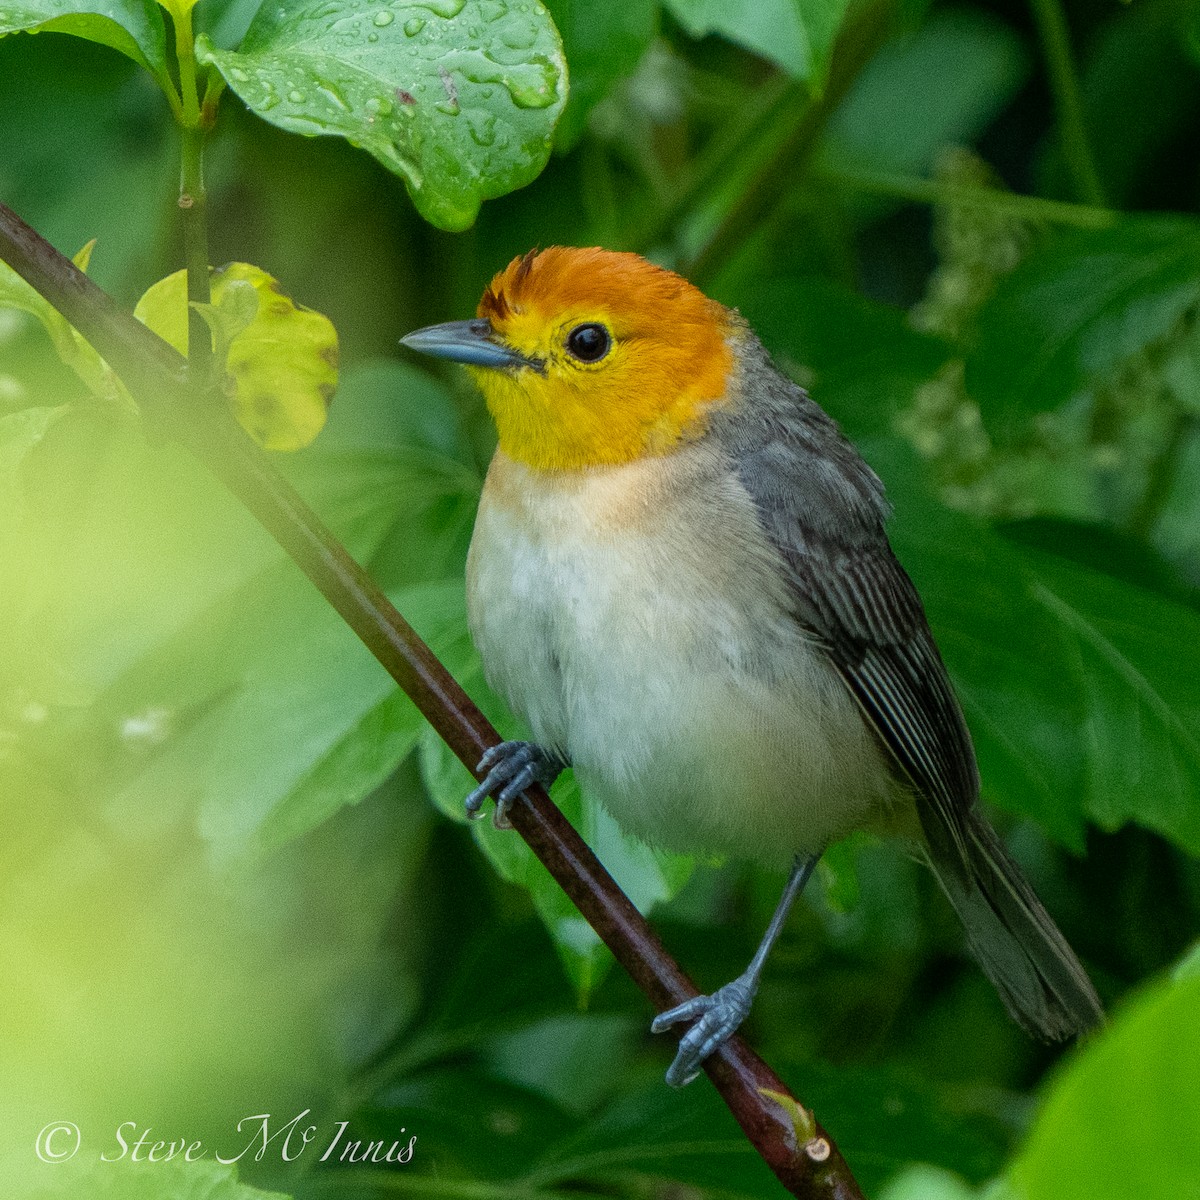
(679,577)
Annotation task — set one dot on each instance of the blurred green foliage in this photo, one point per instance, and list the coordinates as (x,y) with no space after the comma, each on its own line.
(235,877)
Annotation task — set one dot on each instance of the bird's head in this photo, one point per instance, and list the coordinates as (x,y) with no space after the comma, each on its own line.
(591,357)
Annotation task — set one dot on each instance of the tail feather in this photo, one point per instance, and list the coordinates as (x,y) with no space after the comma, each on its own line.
(1017,944)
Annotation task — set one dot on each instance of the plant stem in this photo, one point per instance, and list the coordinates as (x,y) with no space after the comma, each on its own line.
(193,201)
(765,107)
(1161,481)
(932,191)
(861,35)
(1064,83)
(158,379)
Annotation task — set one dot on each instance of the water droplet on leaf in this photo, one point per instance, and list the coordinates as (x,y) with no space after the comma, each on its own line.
(535,88)
(333,96)
(413,26)
(519,37)
(383,17)
(444,8)
(483,128)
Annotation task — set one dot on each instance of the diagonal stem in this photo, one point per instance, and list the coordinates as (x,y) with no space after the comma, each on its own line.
(862,33)
(193,200)
(157,378)
(1068,102)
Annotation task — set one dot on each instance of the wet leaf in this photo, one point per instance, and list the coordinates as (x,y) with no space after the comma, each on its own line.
(459,97)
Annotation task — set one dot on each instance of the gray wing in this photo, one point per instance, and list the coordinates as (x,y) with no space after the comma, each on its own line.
(823,508)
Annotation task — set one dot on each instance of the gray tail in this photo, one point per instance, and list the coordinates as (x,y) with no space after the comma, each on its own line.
(1021,951)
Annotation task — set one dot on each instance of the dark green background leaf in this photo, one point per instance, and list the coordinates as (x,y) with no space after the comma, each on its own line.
(1075,309)
(603,43)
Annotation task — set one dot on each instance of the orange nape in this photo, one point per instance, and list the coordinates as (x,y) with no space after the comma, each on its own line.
(668,358)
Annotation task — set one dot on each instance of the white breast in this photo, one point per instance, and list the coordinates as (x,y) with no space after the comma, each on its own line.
(638,619)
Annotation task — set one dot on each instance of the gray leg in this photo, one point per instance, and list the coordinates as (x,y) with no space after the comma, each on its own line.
(512,767)
(721,1013)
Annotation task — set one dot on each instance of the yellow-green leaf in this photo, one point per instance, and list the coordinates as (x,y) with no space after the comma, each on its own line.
(70,345)
(281,367)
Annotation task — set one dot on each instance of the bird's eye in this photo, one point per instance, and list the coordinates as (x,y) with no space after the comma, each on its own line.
(589,343)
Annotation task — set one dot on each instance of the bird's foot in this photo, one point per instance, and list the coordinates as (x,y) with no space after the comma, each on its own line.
(511,767)
(720,1015)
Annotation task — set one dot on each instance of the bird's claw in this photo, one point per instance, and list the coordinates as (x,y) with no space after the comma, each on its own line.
(719,1017)
(512,768)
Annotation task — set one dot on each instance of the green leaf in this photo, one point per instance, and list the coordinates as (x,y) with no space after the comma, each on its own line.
(796,35)
(15,292)
(268,706)
(393,470)
(459,97)
(20,432)
(1121,1120)
(271,709)
(134,27)
(881,1117)
(471,1127)
(922,1182)
(1135,657)
(366,754)
(688,1137)
(604,42)
(1075,310)
(264,701)
(72,348)
(162,1180)
(1188,966)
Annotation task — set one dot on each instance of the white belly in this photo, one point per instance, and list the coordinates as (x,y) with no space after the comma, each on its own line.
(636,617)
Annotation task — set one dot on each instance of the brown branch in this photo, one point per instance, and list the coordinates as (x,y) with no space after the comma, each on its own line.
(807,1163)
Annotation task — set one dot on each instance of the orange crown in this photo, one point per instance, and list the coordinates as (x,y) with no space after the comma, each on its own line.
(561,279)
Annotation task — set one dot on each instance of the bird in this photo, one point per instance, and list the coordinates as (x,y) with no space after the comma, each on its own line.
(680,578)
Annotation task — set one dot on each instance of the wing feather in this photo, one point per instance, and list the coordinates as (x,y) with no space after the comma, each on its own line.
(823,509)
